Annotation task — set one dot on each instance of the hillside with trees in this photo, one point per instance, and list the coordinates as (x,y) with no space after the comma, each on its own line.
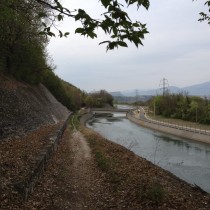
(99,99)
(23,50)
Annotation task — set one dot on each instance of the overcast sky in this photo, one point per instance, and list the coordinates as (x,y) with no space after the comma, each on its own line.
(177,48)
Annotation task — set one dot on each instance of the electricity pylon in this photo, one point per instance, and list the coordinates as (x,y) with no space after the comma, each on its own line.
(164,85)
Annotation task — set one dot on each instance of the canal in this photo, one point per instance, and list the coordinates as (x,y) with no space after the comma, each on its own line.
(185,158)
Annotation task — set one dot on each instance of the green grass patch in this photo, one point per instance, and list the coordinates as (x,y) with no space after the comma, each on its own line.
(156,193)
(74,122)
(107,162)
(102,161)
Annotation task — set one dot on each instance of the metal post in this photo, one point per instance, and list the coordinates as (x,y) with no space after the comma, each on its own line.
(196,114)
(154,108)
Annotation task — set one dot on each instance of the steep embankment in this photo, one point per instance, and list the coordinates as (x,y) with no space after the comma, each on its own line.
(31,124)
(90,172)
(25,108)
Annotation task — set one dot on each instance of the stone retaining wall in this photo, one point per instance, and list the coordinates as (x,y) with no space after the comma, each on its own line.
(170,130)
(26,108)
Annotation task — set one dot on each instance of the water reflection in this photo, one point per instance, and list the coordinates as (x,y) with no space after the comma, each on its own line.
(122,106)
(187,159)
(168,139)
(113,119)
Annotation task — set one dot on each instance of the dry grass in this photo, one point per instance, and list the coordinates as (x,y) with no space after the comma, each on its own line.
(119,180)
(138,184)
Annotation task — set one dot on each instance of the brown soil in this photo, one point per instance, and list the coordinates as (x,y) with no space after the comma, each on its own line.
(89,172)
(138,184)
(17,161)
(72,180)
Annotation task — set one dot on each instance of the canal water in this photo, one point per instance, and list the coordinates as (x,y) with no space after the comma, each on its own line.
(187,159)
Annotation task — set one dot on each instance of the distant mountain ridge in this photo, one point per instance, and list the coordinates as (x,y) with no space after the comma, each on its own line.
(202,89)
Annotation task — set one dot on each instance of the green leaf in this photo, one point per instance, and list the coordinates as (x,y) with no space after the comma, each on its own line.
(104,42)
(105,3)
(81,12)
(77,17)
(112,45)
(60,34)
(79,30)
(49,33)
(66,34)
(91,34)
(115,31)
(136,25)
(146,4)
(124,36)
(44,24)
(135,39)
(111,8)
(60,17)
(113,36)
(144,31)
(67,10)
(59,6)
(122,44)
(42,33)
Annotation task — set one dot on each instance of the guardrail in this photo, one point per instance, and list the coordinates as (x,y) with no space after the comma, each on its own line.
(172,125)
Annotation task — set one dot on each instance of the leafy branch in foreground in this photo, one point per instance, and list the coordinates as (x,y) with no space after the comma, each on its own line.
(116,23)
(204,16)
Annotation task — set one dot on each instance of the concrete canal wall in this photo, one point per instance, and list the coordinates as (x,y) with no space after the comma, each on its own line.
(184,132)
(172,129)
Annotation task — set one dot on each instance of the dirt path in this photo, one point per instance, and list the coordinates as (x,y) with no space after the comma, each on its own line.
(72,180)
(82,172)
(75,180)
(87,187)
